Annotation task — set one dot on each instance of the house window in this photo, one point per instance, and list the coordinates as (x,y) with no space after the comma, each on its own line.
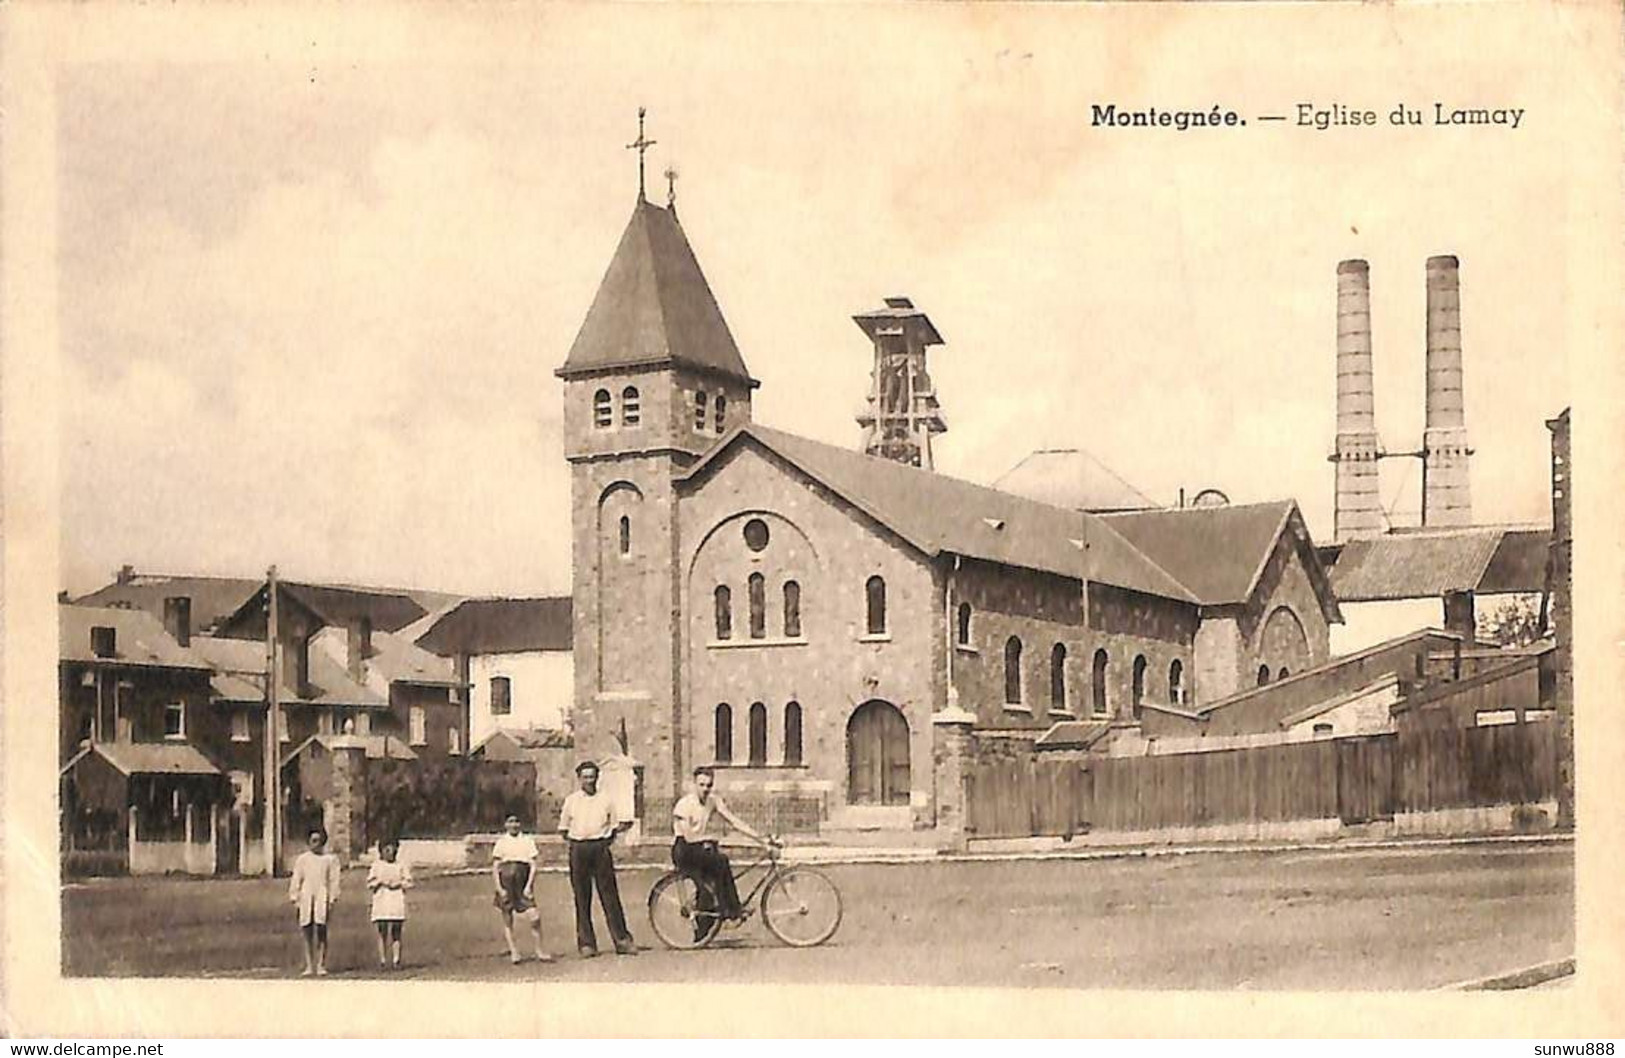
(626,535)
(875,597)
(419,726)
(630,412)
(454,741)
(175,720)
(1097,685)
(1176,682)
(723,738)
(721,416)
(758,735)
(1012,671)
(501,696)
(700,405)
(1137,694)
(603,415)
(1263,675)
(725,612)
(758,606)
(792,734)
(962,625)
(792,610)
(756,534)
(1057,678)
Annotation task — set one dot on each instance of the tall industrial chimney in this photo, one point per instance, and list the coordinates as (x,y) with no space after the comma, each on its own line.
(1357,507)
(1446,497)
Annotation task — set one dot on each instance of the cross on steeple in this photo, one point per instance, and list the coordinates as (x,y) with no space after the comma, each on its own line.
(641,145)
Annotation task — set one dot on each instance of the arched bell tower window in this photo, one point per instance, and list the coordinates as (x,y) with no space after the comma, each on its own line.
(875,598)
(603,414)
(626,535)
(631,412)
(722,413)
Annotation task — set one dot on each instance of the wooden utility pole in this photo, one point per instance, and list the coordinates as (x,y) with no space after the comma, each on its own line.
(1561,588)
(272,786)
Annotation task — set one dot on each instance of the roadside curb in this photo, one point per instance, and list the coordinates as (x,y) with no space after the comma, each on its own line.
(814,855)
(1525,978)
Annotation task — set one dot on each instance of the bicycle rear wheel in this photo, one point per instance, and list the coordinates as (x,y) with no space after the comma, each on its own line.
(683,912)
(802,907)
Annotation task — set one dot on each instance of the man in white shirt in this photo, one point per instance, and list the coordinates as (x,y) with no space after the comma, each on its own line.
(589,822)
(513,868)
(694,849)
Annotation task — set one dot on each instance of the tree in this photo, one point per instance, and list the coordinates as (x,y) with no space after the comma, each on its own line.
(1513,622)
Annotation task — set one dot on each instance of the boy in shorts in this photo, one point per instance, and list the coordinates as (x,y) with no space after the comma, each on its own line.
(513,868)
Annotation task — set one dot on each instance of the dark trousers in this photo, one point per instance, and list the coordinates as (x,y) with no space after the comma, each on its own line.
(592,863)
(703,860)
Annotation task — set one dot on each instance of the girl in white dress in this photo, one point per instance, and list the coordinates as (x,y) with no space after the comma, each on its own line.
(389,880)
(313,890)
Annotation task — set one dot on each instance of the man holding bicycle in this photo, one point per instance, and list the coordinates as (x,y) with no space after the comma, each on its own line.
(695,851)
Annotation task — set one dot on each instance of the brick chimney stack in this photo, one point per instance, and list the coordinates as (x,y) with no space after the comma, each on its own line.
(1446,498)
(1357,506)
(178,618)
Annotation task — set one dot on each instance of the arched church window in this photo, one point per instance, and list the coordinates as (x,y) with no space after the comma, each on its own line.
(792,610)
(792,734)
(725,612)
(721,416)
(1176,682)
(875,598)
(603,415)
(962,625)
(758,606)
(1012,671)
(1137,692)
(630,410)
(700,407)
(626,535)
(1057,678)
(723,741)
(1097,684)
(758,735)
(1263,675)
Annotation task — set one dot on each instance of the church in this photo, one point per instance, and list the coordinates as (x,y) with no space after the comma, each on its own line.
(798,615)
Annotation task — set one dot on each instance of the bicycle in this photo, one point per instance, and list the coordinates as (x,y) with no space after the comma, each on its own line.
(800,905)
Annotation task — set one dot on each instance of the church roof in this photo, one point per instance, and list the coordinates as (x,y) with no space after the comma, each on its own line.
(654,307)
(938,514)
(1071,477)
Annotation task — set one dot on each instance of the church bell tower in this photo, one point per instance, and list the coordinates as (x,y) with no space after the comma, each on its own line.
(652,381)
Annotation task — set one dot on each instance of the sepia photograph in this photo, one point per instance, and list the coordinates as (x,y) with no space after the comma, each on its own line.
(1019,500)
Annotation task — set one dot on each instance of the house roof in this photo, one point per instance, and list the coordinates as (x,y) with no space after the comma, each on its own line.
(528,738)
(239,666)
(1430,563)
(654,307)
(339,606)
(1071,477)
(938,514)
(152,758)
(1216,552)
(502,626)
(216,599)
(377,747)
(392,660)
(139,638)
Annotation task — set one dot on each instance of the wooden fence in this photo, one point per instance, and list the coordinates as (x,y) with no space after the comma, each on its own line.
(1356,780)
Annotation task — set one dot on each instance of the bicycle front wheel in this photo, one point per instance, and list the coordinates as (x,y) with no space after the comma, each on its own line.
(683,912)
(802,907)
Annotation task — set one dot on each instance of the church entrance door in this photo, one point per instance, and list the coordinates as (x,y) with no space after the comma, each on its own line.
(877,755)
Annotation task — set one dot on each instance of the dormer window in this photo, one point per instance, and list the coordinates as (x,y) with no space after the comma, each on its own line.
(701,406)
(631,413)
(603,412)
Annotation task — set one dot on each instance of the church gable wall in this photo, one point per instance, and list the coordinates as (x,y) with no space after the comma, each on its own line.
(835,665)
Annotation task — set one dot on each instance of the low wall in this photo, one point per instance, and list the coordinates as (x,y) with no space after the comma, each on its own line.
(172,857)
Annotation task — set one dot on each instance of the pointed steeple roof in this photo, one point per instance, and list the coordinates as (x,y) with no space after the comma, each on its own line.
(654,307)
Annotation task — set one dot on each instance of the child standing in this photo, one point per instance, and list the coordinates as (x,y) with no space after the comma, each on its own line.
(389,880)
(513,864)
(313,890)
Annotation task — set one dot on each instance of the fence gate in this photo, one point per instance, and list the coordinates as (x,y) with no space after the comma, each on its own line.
(1365,778)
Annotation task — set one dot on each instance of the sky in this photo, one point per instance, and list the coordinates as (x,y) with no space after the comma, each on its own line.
(311,306)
